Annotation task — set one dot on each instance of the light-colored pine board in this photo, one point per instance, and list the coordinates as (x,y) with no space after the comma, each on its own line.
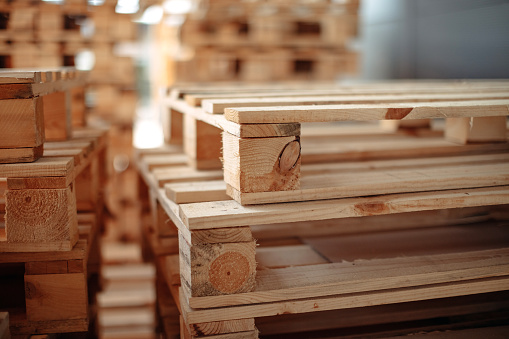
(230,213)
(162,160)
(365,112)
(480,129)
(242,131)
(21,123)
(15,155)
(217,106)
(315,150)
(411,242)
(41,215)
(285,256)
(183,193)
(349,301)
(344,185)
(165,175)
(388,88)
(8,253)
(379,223)
(56,296)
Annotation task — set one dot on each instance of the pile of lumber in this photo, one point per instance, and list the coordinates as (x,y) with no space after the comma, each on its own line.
(42,34)
(266,41)
(361,228)
(51,204)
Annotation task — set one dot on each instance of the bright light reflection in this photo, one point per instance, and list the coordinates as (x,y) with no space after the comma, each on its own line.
(177,6)
(152,15)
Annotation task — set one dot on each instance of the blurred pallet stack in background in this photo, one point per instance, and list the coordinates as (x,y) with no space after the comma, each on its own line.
(226,40)
(52,174)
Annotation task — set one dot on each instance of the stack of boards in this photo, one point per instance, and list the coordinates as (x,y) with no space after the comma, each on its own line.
(266,41)
(291,211)
(51,204)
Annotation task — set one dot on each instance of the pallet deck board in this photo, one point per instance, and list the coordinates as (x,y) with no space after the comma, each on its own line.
(344,185)
(217,106)
(366,112)
(219,214)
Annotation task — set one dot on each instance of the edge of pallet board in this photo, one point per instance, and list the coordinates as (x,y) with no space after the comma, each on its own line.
(241,131)
(348,301)
(217,106)
(364,276)
(364,112)
(377,182)
(230,213)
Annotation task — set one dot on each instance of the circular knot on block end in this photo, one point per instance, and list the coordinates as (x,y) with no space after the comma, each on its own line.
(229,272)
(289,156)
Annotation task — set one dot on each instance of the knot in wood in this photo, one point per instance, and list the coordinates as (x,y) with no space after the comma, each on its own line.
(289,156)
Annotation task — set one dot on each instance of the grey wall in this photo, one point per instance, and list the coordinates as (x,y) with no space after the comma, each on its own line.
(434,39)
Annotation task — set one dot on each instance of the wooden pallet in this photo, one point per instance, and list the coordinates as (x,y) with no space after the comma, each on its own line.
(42,198)
(262,141)
(314,257)
(269,64)
(53,292)
(36,106)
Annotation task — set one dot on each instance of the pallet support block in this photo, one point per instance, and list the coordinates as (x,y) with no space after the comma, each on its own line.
(217,268)
(57,116)
(41,216)
(172,122)
(476,129)
(262,164)
(56,296)
(202,144)
(77,95)
(21,130)
(87,187)
(163,225)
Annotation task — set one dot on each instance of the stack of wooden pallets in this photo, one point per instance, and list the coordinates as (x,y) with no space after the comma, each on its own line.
(266,41)
(51,204)
(42,34)
(360,229)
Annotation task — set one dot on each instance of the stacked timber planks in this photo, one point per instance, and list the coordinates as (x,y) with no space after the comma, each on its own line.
(360,229)
(51,208)
(266,41)
(36,106)
(50,243)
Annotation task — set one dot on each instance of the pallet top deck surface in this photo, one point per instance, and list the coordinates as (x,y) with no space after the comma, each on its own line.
(295,103)
(63,160)
(28,83)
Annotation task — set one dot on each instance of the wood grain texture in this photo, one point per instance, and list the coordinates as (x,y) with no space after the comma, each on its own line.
(480,129)
(399,111)
(44,167)
(56,297)
(16,155)
(230,213)
(202,144)
(242,131)
(366,275)
(21,123)
(261,164)
(57,116)
(332,186)
(217,106)
(183,193)
(173,174)
(220,268)
(222,327)
(43,215)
